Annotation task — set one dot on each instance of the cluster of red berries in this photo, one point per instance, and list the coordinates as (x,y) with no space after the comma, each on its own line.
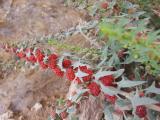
(104,5)
(37,56)
(141,111)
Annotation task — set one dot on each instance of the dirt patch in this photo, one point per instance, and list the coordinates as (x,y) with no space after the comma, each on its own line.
(27,19)
(22,90)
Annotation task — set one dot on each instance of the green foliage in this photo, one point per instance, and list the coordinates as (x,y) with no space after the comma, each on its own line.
(136,38)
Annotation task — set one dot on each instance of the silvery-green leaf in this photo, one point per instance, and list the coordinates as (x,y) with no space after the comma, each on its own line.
(77,96)
(109,90)
(71,109)
(118,73)
(127,83)
(108,113)
(49,118)
(153,89)
(136,101)
(67,54)
(80,74)
(152,115)
(102,62)
(78,63)
(111,61)
(101,73)
(123,104)
(60,61)
(59,111)
(111,5)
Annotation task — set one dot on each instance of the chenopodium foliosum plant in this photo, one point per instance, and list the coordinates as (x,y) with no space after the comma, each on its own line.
(134,47)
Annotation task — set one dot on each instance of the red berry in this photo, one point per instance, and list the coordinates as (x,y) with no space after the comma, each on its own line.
(104,5)
(21,54)
(43,65)
(107,80)
(78,80)
(40,57)
(86,94)
(52,57)
(141,111)
(53,114)
(38,51)
(58,72)
(32,59)
(158,104)
(121,53)
(141,94)
(94,88)
(88,71)
(69,103)
(70,74)
(52,64)
(63,115)
(52,61)
(66,63)
(111,99)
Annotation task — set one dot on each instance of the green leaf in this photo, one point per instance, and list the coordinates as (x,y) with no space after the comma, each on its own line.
(153,89)
(76,97)
(60,61)
(78,63)
(71,109)
(123,104)
(109,90)
(136,101)
(80,74)
(127,83)
(118,73)
(101,73)
(152,115)
(108,113)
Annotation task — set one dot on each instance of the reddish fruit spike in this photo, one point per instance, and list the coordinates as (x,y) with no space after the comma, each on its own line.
(66,63)
(88,71)
(141,94)
(70,74)
(121,53)
(38,51)
(69,103)
(53,114)
(58,72)
(32,59)
(21,54)
(141,111)
(82,68)
(63,115)
(94,88)
(111,99)
(40,57)
(107,80)
(104,5)
(52,64)
(52,57)
(43,65)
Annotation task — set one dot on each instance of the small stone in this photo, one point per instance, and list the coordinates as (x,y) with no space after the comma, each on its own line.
(36,107)
(6,116)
